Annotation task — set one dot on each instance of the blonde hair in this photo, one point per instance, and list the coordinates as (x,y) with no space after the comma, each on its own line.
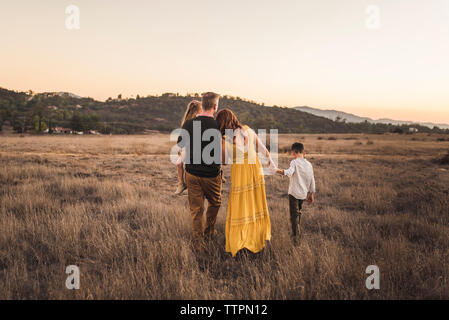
(193,108)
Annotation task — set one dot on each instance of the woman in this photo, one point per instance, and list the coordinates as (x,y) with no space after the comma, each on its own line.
(248,221)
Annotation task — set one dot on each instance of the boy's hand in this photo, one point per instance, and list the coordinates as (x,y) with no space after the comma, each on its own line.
(280,171)
(310,198)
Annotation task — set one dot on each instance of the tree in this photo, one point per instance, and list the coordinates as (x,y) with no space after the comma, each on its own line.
(84,123)
(398,130)
(20,123)
(76,123)
(37,114)
(65,115)
(38,125)
(93,122)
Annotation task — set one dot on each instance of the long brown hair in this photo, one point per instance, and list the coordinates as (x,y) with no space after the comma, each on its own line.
(193,108)
(226,119)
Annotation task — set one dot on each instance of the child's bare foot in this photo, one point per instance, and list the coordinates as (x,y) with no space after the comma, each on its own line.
(181,188)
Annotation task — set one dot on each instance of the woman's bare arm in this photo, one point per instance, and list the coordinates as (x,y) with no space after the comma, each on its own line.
(261,147)
(223,151)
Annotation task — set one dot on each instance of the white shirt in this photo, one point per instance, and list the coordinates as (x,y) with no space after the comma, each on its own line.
(302,180)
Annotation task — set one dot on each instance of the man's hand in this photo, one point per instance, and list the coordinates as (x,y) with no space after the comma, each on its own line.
(310,198)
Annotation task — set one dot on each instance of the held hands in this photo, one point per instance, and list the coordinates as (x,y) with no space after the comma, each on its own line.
(275,169)
(272,166)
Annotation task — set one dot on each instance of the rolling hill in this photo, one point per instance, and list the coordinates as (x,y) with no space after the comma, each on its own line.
(30,112)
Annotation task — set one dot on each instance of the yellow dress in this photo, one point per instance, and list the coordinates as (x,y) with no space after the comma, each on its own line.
(248,221)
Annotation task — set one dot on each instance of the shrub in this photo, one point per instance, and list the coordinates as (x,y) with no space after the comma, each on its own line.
(445,159)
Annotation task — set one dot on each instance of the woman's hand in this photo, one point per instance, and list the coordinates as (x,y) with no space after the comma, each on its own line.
(272,168)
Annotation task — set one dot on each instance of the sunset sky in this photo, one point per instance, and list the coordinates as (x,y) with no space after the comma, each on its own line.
(318,53)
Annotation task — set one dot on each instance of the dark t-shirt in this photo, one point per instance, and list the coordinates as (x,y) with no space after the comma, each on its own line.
(197,163)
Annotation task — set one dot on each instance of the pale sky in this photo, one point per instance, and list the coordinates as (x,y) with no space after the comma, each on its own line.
(317,53)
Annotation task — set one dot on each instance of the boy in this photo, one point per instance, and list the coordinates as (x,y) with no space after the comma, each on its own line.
(301,187)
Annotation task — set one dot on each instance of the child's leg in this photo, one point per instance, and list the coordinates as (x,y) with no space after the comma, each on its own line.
(180,166)
(294,214)
(181,179)
(300,202)
(223,179)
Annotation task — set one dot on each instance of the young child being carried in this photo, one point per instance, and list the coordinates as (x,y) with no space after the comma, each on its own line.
(193,109)
(301,187)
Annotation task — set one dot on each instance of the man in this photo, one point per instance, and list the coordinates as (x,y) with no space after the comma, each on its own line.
(203,170)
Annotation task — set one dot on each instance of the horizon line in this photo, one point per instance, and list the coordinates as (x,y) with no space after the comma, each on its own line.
(188,94)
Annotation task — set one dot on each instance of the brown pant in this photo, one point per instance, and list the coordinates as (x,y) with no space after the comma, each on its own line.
(199,189)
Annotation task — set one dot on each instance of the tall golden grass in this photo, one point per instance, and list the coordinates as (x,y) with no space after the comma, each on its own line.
(105,204)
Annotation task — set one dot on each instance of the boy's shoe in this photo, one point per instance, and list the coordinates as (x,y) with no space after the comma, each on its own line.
(296,240)
(181,188)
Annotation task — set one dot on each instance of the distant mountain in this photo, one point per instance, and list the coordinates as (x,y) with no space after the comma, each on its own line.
(61,94)
(352,118)
(426,124)
(71,95)
(334,114)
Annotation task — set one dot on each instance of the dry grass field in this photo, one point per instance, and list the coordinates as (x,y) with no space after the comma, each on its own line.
(105,204)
